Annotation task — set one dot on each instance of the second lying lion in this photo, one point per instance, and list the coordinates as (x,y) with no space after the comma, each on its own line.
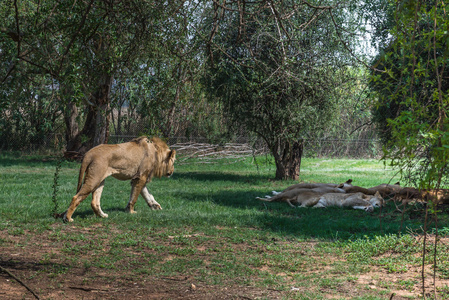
(314,199)
(356,201)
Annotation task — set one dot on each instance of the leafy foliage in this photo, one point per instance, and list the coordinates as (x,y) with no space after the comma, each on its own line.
(413,93)
(80,46)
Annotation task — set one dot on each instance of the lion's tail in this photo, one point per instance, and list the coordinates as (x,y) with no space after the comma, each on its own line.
(265,199)
(86,162)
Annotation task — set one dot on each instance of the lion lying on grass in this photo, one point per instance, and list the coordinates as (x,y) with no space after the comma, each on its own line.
(356,201)
(385,190)
(139,161)
(310,198)
(341,187)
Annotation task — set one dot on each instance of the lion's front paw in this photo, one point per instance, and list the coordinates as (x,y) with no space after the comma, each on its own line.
(156,207)
(369,209)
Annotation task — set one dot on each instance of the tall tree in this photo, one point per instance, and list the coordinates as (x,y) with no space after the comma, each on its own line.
(413,92)
(275,66)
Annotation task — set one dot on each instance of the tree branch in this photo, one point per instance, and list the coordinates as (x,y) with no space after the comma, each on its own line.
(39,66)
(350,50)
(279,30)
(17,27)
(19,281)
(319,6)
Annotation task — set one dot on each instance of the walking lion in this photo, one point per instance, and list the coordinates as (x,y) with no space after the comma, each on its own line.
(138,160)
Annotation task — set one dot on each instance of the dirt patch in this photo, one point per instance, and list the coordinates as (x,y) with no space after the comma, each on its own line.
(410,281)
(56,268)
(79,284)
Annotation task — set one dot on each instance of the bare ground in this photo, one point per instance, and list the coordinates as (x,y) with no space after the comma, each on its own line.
(36,260)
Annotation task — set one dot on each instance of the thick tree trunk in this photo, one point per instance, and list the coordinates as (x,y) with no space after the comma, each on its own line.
(288,159)
(102,120)
(96,126)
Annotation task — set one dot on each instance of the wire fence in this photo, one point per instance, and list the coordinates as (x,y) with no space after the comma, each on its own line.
(203,148)
(201,131)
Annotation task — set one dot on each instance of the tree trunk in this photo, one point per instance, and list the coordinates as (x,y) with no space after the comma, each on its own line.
(72,131)
(96,126)
(287,157)
(71,125)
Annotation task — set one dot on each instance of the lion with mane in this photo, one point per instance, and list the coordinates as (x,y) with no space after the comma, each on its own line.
(138,160)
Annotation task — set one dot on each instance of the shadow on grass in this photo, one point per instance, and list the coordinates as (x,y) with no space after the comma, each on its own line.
(322,223)
(85,211)
(23,265)
(32,161)
(220,176)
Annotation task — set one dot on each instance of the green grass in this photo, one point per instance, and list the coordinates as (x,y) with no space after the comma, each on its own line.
(197,195)
(212,228)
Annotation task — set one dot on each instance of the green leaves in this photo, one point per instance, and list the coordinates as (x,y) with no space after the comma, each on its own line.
(413,93)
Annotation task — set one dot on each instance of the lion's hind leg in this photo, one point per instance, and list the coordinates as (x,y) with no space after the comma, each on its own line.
(309,202)
(96,196)
(289,202)
(88,187)
(76,200)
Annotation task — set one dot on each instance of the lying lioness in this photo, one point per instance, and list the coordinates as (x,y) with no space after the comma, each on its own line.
(291,194)
(319,185)
(322,190)
(438,196)
(356,201)
(385,190)
(309,198)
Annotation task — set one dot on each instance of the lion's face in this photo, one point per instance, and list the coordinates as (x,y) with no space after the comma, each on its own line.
(377,200)
(169,163)
(165,158)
